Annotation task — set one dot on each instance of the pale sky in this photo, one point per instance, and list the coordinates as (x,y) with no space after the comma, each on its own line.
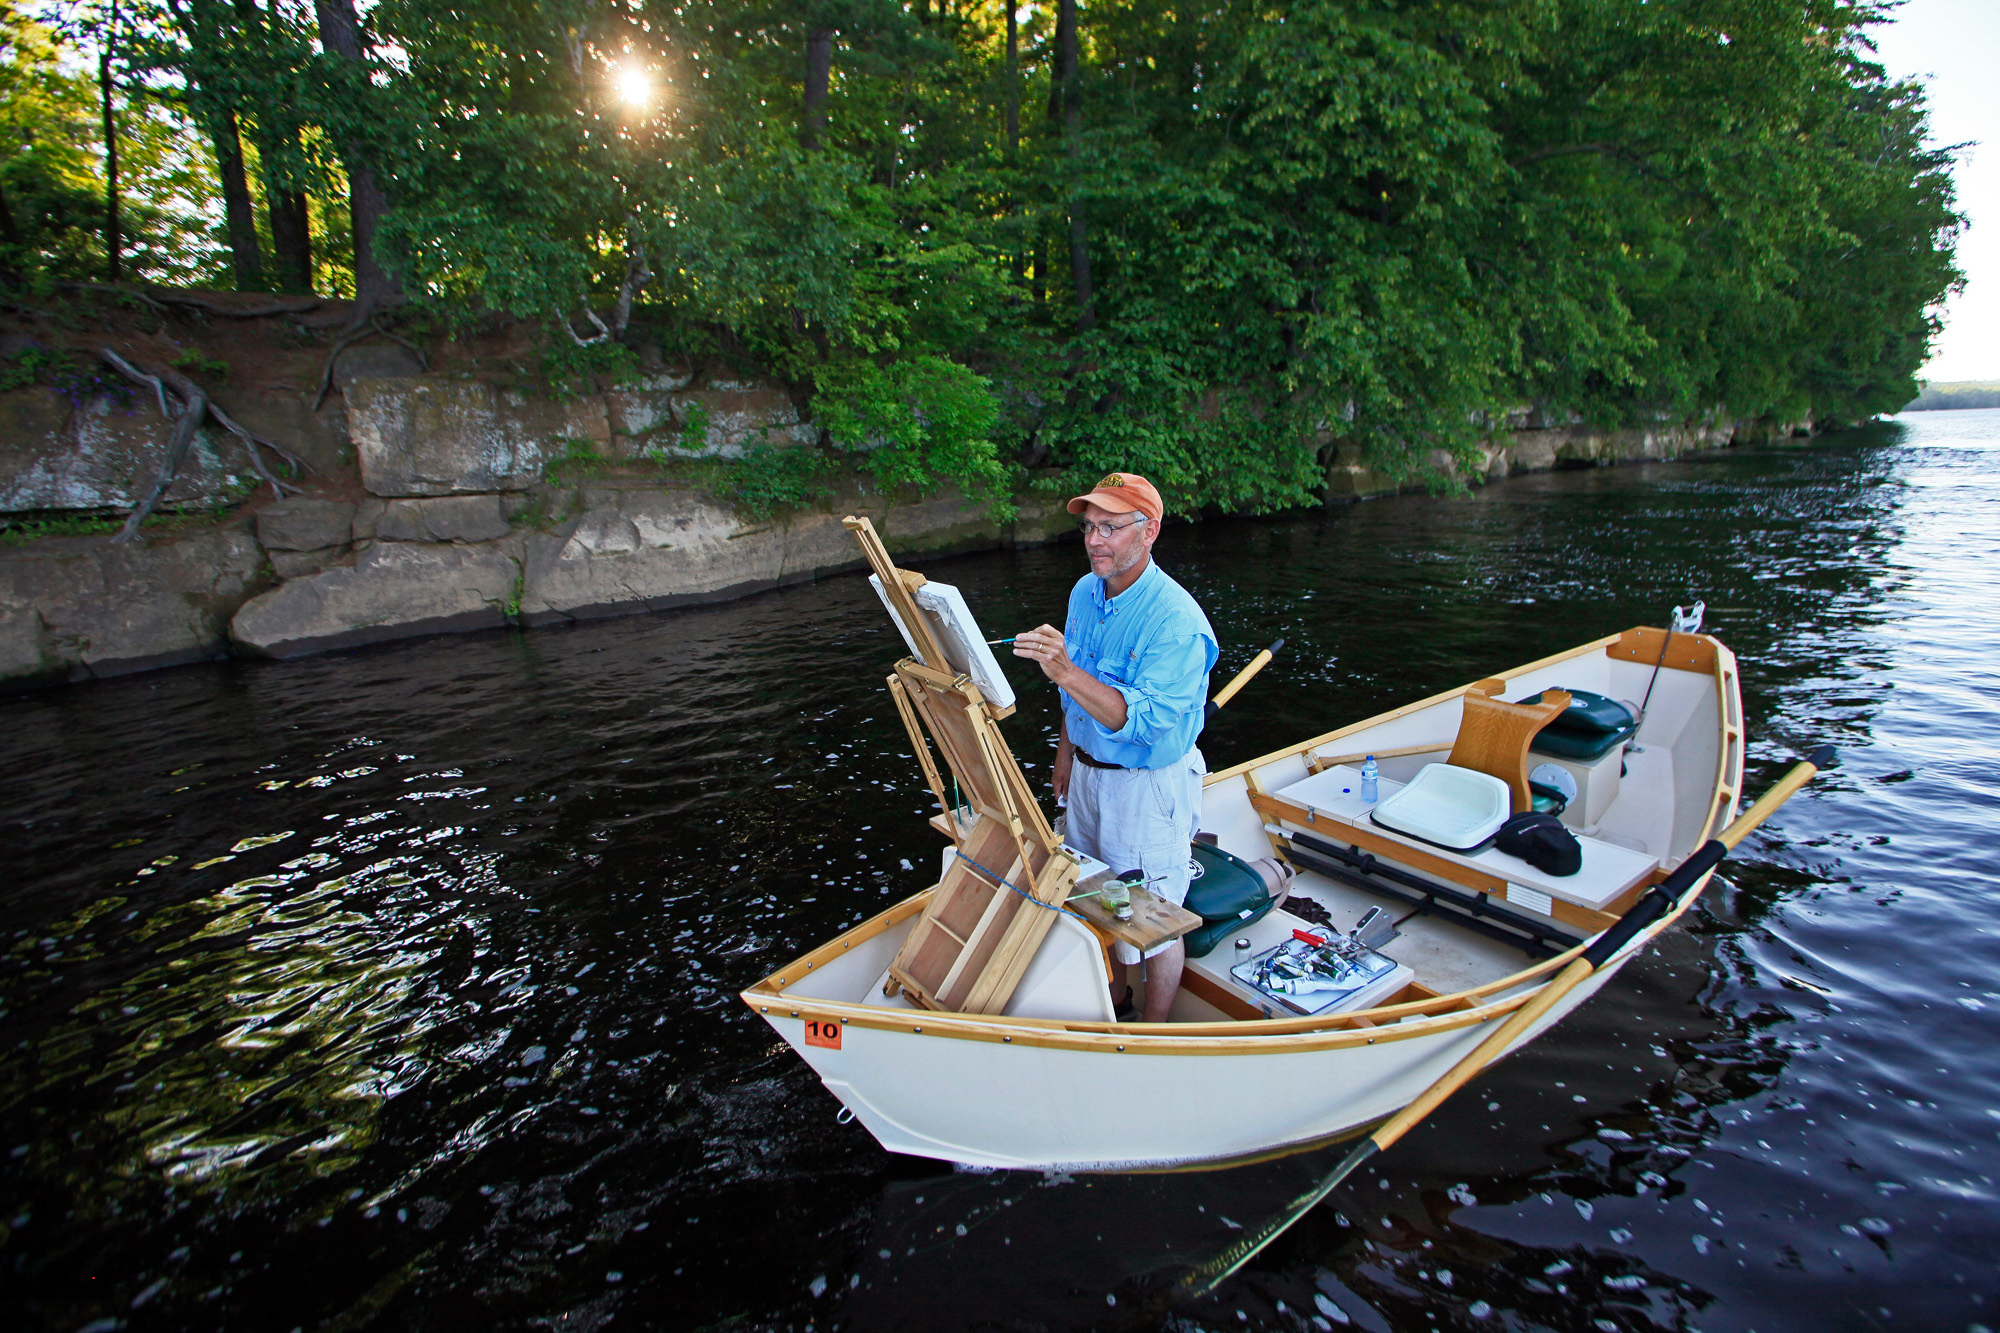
(1954,47)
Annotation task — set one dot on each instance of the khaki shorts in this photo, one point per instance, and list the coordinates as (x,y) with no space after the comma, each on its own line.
(1139,819)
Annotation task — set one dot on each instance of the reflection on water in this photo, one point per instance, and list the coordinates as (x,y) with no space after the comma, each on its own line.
(397,987)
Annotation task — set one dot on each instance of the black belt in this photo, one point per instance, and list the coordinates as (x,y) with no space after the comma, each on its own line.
(1084,755)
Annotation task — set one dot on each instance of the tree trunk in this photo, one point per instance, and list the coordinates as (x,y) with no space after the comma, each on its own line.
(340,33)
(636,276)
(113,242)
(1072,100)
(1013,79)
(1065,41)
(10,237)
(291,238)
(819,74)
(238,213)
(278,147)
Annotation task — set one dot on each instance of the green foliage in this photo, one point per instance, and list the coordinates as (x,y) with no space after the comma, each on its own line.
(1305,221)
(27,367)
(48,171)
(52,163)
(535,514)
(770,479)
(519,590)
(917,422)
(72,374)
(19,530)
(195,363)
(579,457)
(694,429)
(569,370)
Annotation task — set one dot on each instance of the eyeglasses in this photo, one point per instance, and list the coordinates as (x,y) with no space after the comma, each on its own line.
(1107,530)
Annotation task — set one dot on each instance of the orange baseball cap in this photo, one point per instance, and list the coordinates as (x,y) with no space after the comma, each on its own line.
(1122,493)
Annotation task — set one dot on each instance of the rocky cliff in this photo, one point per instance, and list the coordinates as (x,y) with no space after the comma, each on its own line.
(445,501)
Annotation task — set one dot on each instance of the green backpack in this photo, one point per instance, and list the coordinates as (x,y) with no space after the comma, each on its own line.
(1229,895)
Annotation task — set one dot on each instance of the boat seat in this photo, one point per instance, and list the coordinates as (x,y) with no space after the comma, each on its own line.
(1459,809)
(1494,735)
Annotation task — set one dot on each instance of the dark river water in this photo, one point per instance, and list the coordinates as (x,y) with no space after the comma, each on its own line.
(396,988)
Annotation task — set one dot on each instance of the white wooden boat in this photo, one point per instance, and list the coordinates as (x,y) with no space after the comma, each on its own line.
(1053,1081)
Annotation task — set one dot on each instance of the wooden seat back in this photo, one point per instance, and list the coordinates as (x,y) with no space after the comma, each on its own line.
(1493,737)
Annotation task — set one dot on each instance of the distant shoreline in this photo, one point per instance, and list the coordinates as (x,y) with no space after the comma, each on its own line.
(1949,394)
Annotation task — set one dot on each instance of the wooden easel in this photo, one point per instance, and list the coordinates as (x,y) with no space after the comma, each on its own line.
(990,912)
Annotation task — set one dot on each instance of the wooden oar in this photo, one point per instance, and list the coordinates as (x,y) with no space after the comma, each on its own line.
(1257,663)
(1657,902)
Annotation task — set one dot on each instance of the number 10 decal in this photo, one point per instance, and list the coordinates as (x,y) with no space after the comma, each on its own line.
(823,1032)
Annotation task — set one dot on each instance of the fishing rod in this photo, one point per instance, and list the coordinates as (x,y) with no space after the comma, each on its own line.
(1686,879)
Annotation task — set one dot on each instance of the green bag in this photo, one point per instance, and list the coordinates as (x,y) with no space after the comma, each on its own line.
(1228,895)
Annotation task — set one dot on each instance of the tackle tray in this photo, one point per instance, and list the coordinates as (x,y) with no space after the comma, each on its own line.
(1324,978)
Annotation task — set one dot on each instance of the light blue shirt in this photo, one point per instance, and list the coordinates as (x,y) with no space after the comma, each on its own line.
(1153,645)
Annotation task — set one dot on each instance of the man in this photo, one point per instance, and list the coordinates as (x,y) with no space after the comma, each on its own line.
(1133,668)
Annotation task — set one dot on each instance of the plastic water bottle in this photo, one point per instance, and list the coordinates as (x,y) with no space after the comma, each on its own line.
(1369,772)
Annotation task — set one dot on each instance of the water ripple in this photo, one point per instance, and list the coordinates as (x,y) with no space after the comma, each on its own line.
(397,987)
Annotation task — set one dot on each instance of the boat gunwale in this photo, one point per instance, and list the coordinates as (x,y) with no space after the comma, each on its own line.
(1362,1027)
(1245,1037)
(1446,696)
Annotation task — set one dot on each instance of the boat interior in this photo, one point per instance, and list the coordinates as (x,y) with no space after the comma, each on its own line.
(1469,923)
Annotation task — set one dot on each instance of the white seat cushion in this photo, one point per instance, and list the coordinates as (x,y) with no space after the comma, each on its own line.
(1456,808)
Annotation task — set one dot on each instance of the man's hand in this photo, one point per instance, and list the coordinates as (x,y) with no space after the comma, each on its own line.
(1065,760)
(1045,647)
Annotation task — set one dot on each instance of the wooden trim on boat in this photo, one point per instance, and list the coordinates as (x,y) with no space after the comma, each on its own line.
(1378,719)
(1570,914)
(1199,986)
(1319,763)
(1722,803)
(1431,1005)
(1687,652)
(1366,1027)
(1278,811)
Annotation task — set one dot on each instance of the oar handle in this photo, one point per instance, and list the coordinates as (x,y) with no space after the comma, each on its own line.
(1257,663)
(1781,791)
(1660,899)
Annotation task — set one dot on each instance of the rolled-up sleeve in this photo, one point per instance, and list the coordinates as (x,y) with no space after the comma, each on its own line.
(1165,685)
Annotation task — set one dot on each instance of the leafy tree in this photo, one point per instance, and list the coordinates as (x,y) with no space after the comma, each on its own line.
(50,191)
(1240,235)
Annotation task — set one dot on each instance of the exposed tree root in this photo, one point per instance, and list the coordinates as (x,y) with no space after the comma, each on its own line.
(196,406)
(185,426)
(299,307)
(160,300)
(603,333)
(375,326)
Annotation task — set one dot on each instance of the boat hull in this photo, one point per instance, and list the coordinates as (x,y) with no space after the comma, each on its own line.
(1229,1085)
(1136,1104)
